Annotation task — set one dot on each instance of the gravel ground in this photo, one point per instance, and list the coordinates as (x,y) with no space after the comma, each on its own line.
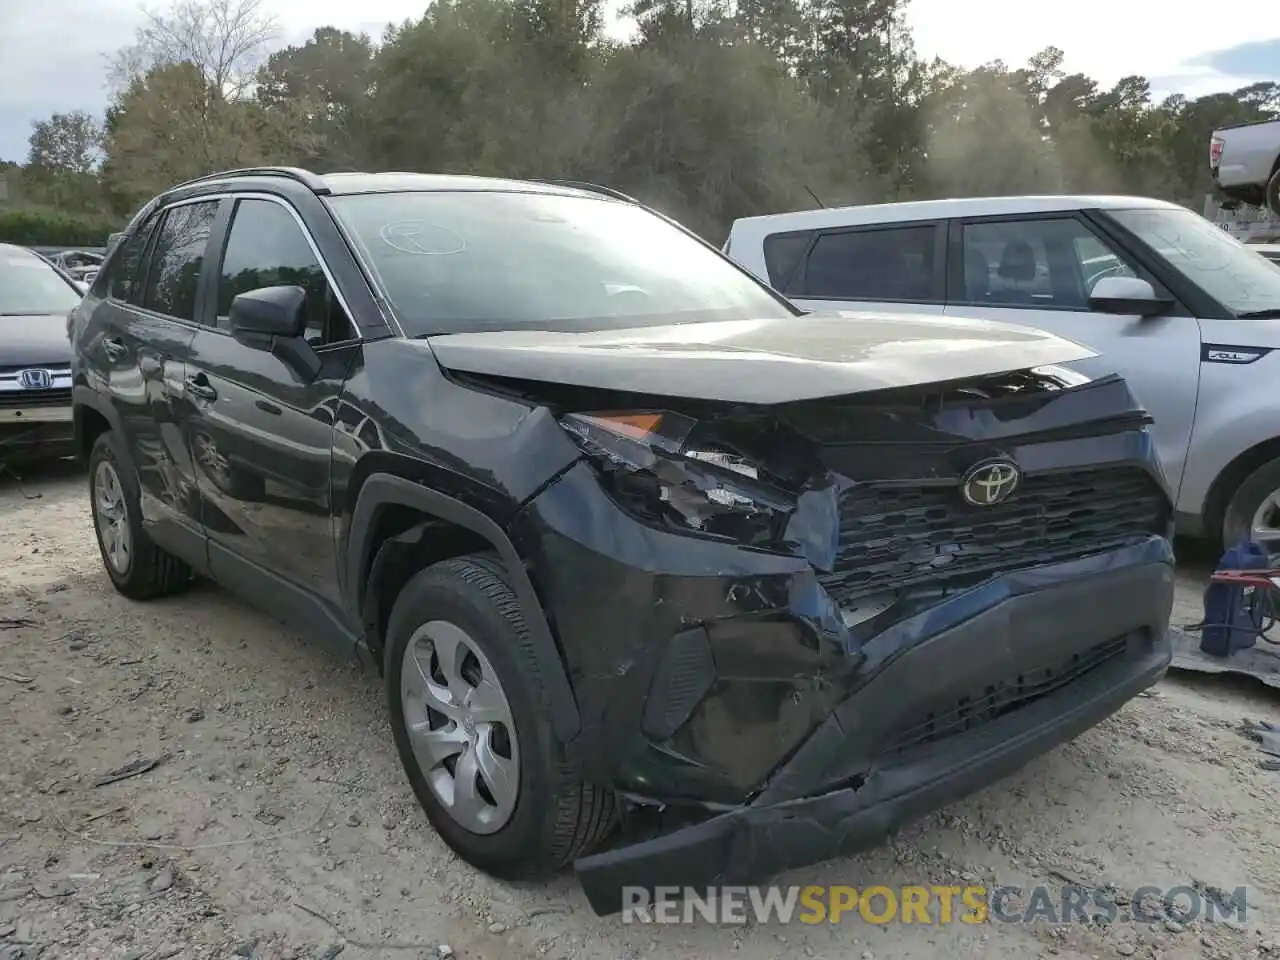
(276,823)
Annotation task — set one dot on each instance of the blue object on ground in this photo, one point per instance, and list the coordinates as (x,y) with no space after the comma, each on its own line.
(1233,617)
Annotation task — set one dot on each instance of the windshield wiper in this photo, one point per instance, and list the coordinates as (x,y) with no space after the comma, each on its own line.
(1271,313)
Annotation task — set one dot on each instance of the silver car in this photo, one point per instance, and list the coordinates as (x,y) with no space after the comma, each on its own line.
(35,357)
(1183,311)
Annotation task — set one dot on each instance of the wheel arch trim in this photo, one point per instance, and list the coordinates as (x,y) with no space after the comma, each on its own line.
(86,398)
(381,490)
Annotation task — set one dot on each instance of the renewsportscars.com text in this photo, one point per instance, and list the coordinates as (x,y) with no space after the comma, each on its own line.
(928,905)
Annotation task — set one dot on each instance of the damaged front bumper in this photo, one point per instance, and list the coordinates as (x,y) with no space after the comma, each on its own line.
(899,646)
(1049,652)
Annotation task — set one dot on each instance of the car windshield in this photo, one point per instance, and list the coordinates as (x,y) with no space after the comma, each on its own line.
(31,287)
(1222,266)
(454,262)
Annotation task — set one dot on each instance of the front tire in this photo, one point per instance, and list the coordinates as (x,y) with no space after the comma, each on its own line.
(1273,193)
(1253,512)
(137,567)
(469,718)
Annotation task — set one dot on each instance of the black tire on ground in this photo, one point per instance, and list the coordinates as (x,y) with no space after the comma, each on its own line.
(1273,193)
(557,817)
(152,572)
(1237,520)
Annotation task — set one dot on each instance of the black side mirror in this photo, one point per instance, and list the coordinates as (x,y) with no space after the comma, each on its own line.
(274,319)
(1127,296)
(270,312)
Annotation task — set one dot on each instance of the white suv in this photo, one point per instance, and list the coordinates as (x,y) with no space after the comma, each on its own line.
(1187,314)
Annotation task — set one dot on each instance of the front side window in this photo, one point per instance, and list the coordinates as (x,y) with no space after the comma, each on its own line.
(267,248)
(1098,261)
(177,258)
(892,264)
(1045,263)
(29,286)
(1216,262)
(473,261)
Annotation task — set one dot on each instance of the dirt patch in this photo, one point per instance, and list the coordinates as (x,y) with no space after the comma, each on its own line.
(190,779)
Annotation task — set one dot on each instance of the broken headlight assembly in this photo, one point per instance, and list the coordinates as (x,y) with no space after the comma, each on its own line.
(655,468)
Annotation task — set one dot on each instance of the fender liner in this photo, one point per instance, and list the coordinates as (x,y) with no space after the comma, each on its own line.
(381,489)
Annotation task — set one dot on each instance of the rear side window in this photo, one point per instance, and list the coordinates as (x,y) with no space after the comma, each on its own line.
(126,273)
(177,259)
(894,264)
(782,254)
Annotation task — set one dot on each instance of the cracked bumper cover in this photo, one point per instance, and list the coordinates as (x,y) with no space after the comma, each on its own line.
(842,792)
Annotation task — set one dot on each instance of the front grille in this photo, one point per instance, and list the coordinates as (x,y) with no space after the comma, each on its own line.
(1004,696)
(899,537)
(57,397)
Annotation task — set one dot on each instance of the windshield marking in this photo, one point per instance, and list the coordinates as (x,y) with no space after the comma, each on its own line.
(414,237)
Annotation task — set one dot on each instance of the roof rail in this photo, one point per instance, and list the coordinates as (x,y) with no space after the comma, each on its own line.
(590,187)
(304,177)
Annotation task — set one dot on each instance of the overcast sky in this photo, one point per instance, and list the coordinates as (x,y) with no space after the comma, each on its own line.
(53,52)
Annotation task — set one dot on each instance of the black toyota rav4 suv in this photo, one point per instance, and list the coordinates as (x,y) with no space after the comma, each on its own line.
(624,530)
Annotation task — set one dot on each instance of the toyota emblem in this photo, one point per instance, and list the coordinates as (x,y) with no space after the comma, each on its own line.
(989,483)
(35,379)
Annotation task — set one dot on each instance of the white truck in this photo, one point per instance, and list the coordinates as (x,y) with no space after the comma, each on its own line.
(1245,161)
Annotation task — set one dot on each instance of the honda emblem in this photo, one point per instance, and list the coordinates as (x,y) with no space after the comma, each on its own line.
(35,379)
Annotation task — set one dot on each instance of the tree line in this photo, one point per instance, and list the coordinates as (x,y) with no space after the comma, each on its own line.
(711,110)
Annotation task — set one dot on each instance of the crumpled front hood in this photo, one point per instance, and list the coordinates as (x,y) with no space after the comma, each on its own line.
(761,361)
(35,341)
